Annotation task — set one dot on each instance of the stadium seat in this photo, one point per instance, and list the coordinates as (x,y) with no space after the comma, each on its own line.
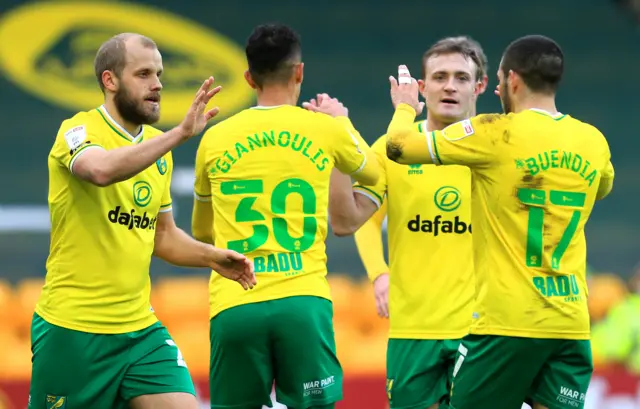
(366,314)
(347,341)
(193,341)
(605,291)
(342,292)
(7,307)
(181,300)
(15,355)
(27,293)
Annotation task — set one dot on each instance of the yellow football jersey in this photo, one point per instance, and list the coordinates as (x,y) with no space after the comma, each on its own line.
(430,246)
(266,172)
(535,178)
(102,238)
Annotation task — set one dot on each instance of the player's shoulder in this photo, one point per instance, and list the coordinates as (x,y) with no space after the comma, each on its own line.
(584,126)
(488,120)
(241,118)
(77,129)
(151,132)
(81,120)
(593,136)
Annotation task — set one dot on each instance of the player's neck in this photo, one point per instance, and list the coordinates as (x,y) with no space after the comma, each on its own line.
(540,102)
(276,95)
(434,124)
(133,129)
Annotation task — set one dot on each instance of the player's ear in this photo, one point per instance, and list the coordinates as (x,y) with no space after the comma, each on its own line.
(249,79)
(110,81)
(481,85)
(421,85)
(299,72)
(514,81)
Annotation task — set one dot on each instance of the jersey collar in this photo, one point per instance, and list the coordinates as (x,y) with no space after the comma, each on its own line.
(262,107)
(557,116)
(117,128)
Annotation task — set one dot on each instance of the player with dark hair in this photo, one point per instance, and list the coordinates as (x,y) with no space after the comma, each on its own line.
(536,174)
(96,341)
(429,227)
(261,188)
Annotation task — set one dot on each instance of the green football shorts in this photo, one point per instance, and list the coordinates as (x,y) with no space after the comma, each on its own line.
(497,372)
(79,370)
(419,372)
(289,341)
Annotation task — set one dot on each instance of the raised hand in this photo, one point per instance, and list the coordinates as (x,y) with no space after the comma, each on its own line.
(323,103)
(405,90)
(196,118)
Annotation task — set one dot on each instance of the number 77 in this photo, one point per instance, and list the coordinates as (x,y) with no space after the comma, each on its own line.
(536,199)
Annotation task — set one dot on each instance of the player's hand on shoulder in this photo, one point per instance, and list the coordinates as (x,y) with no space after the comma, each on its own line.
(405,90)
(323,103)
(198,116)
(234,266)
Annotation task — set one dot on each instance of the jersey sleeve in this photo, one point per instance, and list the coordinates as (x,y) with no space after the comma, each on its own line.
(369,242)
(376,193)
(606,181)
(471,142)
(352,154)
(73,139)
(166,202)
(202,184)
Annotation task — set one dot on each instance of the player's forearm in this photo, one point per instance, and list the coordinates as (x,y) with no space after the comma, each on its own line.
(202,221)
(123,163)
(405,144)
(347,212)
(369,173)
(369,242)
(178,248)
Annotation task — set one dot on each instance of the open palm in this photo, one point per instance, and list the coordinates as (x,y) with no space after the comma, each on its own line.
(196,118)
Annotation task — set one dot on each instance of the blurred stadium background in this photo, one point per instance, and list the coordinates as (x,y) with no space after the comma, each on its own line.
(350,47)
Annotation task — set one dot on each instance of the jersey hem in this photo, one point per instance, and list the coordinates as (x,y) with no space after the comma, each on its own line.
(116,328)
(201,198)
(428,335)
(267,297)
(527,333)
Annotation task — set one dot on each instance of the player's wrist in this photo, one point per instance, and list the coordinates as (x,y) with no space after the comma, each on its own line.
(179,134)
(376,276)
(406,107)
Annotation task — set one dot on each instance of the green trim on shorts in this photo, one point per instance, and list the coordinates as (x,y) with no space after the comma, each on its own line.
(554,372)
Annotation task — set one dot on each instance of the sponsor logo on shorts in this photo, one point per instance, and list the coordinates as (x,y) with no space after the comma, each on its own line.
(56,402)
(389,387)
(317,387)
(570,397)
